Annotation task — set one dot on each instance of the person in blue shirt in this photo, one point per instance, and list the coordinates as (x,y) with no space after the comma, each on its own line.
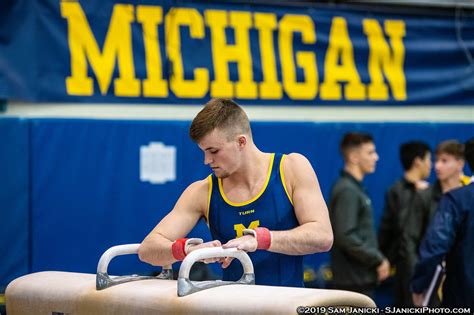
(269,205)
(450,237)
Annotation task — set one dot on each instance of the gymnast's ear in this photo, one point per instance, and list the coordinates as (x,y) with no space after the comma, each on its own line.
(242,141)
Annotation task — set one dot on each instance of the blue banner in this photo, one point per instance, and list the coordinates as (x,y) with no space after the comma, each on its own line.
(183,52)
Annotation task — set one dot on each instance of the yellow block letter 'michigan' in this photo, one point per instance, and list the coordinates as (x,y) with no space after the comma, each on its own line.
(117,46)
(381,58)
(340,48)
(190,17)
(223,53)
(308,89)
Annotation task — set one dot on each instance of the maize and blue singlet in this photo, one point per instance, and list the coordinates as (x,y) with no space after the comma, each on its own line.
(271,208)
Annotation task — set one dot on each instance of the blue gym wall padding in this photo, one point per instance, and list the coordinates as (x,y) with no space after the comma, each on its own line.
(15,251)
(86,194)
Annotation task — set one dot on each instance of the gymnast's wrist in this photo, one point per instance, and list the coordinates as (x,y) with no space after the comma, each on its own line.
(180,247)
(262,235)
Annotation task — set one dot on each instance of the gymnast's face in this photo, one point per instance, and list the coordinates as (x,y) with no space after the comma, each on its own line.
(220,153)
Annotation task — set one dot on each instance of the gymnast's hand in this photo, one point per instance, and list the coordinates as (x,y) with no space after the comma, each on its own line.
(247,243)
(215,243)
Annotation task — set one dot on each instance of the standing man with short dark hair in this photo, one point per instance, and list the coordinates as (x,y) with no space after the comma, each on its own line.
(357,263)
(450,237)
(267,204)
(415,157)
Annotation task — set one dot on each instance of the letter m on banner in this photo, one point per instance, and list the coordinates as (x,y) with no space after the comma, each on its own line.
(117,47)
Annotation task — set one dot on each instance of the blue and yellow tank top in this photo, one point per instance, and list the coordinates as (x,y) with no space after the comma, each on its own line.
(271,208)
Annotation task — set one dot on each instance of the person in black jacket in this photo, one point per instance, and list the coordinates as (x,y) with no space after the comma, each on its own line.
(450,236)
(415,157)
(356,261)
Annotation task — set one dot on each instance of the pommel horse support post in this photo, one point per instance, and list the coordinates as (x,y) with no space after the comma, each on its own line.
(70,293)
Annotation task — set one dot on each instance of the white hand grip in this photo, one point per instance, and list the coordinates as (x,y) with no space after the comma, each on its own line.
(185,286)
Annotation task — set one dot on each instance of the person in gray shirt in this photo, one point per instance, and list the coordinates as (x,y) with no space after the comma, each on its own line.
(356,261)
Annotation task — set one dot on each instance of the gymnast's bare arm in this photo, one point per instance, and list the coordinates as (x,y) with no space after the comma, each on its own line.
(314,233)
(190,207)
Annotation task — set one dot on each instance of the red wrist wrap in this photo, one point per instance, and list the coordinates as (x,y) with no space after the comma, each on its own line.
(264,238)
(177,248)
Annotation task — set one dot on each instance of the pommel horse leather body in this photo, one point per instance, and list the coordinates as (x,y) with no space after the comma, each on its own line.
(53,292)
(75,293)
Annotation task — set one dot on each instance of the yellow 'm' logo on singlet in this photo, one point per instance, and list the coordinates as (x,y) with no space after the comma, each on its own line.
(239,228)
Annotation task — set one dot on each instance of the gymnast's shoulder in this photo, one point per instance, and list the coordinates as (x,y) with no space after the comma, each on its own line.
(294,165)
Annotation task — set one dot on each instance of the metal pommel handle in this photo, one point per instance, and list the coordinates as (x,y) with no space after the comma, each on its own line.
(103,280)
(113,252)
(186,286)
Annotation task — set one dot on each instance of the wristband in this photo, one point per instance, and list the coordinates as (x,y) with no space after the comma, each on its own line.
(262,235)
(180,247)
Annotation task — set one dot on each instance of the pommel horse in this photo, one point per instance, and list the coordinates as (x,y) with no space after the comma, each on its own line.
(58,293)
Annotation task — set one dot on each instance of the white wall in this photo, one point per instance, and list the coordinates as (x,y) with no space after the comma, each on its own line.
(460,114)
